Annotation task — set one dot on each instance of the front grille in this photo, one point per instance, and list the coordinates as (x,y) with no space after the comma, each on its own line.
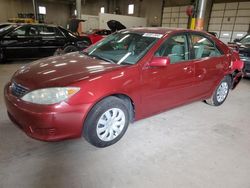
(18,90)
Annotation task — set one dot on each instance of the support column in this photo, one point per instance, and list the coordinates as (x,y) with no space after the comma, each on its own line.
(201,15)
(78,8)
(34,9)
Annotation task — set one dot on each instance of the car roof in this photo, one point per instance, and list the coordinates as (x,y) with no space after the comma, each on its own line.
(37,24)
(161,30)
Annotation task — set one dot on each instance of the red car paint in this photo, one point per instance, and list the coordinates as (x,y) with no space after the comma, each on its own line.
(98,34)
(152,89)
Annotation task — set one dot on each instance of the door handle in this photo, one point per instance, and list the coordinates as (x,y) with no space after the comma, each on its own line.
(188,69)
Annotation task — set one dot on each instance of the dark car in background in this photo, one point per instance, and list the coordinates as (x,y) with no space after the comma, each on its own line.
(37,40)
(3,25)
(243,46)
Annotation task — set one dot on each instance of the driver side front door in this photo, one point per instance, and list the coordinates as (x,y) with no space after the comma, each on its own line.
(166,87)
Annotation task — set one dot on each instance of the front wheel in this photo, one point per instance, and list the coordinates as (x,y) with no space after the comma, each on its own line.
(221,92)
(107,122)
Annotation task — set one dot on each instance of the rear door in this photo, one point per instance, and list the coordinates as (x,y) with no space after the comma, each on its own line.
(166,87)
(52,39)
(209,64)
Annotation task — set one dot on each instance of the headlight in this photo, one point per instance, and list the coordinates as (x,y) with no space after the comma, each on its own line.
(50,95)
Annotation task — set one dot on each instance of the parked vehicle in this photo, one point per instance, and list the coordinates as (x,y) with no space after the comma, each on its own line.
(4,25)
(243,47)
(127,76)
(97,34)
(36,41)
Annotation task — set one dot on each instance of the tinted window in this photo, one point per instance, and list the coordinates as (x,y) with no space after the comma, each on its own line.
(21,31)
(203,47)
(49,31)
(176,48)
(32,31)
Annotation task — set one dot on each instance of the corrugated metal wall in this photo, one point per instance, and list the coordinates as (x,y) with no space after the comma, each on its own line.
(230,20)
(175,17)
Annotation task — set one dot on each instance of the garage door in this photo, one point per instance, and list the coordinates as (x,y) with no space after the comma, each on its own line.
(175,17)
(230,20)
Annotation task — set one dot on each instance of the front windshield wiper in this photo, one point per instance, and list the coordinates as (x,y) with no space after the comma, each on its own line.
(102,58)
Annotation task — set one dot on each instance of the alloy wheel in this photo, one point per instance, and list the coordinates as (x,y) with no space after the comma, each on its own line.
(222,92)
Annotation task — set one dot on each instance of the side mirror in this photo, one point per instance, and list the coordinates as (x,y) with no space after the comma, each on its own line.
(159,62)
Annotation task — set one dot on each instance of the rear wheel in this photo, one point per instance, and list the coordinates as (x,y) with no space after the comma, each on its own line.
(107,122)
(221,92)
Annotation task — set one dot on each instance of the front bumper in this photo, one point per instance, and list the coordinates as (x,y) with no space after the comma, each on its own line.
(46,122)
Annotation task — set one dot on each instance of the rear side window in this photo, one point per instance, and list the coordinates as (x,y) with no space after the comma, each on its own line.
(49,31)
(203,47)
(176,48)
(32,31)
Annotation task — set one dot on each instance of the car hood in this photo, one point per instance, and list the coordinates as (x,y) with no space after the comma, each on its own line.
(60,71)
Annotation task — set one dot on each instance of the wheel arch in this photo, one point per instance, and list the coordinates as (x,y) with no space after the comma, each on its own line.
(128,101)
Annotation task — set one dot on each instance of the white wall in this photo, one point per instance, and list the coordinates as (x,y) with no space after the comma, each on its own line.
(92,22)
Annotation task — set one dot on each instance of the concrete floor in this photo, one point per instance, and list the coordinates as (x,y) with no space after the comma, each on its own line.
(193,146)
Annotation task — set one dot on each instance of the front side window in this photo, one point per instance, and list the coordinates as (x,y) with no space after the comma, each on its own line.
(176,48)
(124,47)
(21,31)
(203,47)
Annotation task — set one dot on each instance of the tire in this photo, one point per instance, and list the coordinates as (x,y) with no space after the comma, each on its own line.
(221,92)
(107,122)
(69,49)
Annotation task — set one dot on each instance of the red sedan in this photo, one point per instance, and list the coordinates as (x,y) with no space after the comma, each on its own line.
(98,34)
(129,75)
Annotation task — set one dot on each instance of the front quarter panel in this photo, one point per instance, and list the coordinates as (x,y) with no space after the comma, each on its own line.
(123,81)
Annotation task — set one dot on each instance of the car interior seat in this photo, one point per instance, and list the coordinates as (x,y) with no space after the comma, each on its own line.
(198,51)
(177,53)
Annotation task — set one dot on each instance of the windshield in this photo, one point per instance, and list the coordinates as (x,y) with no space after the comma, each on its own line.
(124,47)
(245,40)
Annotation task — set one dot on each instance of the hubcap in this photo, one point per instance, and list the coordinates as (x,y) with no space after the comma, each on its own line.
(222,92)
(110,124)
